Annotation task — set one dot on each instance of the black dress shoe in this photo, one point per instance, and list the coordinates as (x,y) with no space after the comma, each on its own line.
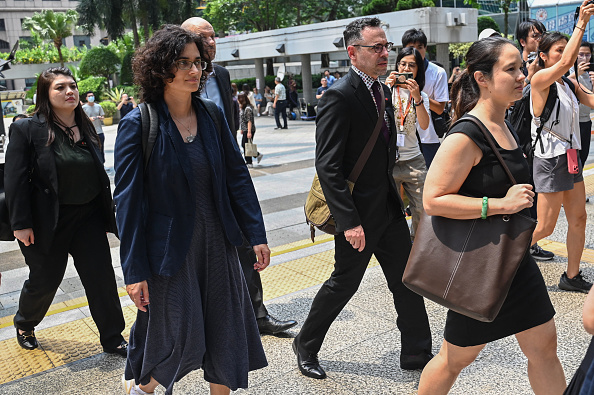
(27,340)
(271,326)
(415,362)
(121,350)
(309,364)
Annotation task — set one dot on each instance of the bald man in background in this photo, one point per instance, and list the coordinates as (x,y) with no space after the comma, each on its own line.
(218,89)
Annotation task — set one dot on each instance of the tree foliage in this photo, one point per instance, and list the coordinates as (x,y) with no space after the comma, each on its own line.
(261,15)
(486,22)
(410,4)
(53,26)
(117,15)
(99,61)
(378,7)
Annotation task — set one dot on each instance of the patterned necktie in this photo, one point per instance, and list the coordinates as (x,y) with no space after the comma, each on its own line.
(375,87)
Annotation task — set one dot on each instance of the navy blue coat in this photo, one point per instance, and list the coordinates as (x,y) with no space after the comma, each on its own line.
(155,209)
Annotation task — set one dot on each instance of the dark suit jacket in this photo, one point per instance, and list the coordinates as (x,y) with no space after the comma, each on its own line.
(155,207)
(35,204)
(224,83)
(346,118)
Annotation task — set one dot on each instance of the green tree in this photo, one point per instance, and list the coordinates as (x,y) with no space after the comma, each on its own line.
(410,4)
(116,15)
(261,15)
(99,61)
(486,22)
(378,6)
(54,26)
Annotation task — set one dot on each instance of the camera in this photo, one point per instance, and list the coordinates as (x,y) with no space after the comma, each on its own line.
(402,77)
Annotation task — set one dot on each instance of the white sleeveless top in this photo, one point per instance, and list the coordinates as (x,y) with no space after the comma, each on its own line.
(557,133)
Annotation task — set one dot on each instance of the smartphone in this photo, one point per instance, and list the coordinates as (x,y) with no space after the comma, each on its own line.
(402,77)
(590,67)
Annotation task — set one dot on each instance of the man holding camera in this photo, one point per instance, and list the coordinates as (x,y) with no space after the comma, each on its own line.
(528,35)
(126,105)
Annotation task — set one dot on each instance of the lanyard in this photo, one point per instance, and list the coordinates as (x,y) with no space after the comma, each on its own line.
(402,118)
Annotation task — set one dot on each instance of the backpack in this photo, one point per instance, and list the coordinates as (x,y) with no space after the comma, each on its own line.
(520,118)
(149,121)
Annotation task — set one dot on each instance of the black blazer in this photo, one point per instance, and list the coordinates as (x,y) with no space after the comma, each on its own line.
(34,204)
(224,83)
(346,118)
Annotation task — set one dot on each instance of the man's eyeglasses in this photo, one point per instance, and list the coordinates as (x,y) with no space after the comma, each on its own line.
(404,65)
(184,64)
(536,36)
(377,48)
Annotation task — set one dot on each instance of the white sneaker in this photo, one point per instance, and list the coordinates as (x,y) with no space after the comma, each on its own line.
(137,391)
(127,384)
(259,157)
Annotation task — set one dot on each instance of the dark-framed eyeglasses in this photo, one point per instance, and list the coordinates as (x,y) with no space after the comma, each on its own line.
(536,36)
(184,64)
(377,48)
(404,65)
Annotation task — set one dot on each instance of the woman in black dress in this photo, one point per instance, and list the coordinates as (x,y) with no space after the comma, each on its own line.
(464,171)
(179,217)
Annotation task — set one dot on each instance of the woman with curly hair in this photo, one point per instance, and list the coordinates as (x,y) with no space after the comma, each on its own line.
(179,218)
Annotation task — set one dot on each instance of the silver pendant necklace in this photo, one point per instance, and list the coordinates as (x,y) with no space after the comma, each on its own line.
(191,137)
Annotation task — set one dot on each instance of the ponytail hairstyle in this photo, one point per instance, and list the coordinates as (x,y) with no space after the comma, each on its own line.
(481,56)
(546,42)
(43,107)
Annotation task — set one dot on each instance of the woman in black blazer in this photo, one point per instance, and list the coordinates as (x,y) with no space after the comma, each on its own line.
(59,201)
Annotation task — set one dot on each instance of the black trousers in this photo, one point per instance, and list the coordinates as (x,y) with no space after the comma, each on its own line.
(586,135)
(247,258)
(391,246)
(280,109)
(80,232)
(102,140)
(244,140)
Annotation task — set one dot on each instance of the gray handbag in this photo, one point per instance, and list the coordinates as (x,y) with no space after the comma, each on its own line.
(251,149)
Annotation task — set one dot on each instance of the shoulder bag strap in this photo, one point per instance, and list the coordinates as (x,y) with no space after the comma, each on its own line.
(150,128)
(371,142)
(493,147)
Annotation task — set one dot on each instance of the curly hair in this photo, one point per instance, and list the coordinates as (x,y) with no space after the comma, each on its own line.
(153,64)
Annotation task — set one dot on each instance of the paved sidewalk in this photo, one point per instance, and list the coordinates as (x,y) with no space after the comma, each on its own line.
(361,351)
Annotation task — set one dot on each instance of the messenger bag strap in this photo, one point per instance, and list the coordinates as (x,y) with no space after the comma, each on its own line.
(370,143)
(493,147)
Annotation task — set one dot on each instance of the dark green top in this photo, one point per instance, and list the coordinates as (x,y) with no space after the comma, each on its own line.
(78,181)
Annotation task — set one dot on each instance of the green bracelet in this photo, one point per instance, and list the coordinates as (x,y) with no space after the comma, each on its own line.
(485,207)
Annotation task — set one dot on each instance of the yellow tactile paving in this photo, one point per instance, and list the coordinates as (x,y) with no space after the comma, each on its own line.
(17,363)
(65,344)
(80,339)
(589,182)
(561,250)
(320,238)
(60,307)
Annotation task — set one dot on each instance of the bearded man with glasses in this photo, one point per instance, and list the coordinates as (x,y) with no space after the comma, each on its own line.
(370,220)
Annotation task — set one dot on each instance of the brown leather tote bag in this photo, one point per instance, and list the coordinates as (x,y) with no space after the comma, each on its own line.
(468,265)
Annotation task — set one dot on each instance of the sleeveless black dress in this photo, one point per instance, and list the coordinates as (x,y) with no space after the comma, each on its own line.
(527,304)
